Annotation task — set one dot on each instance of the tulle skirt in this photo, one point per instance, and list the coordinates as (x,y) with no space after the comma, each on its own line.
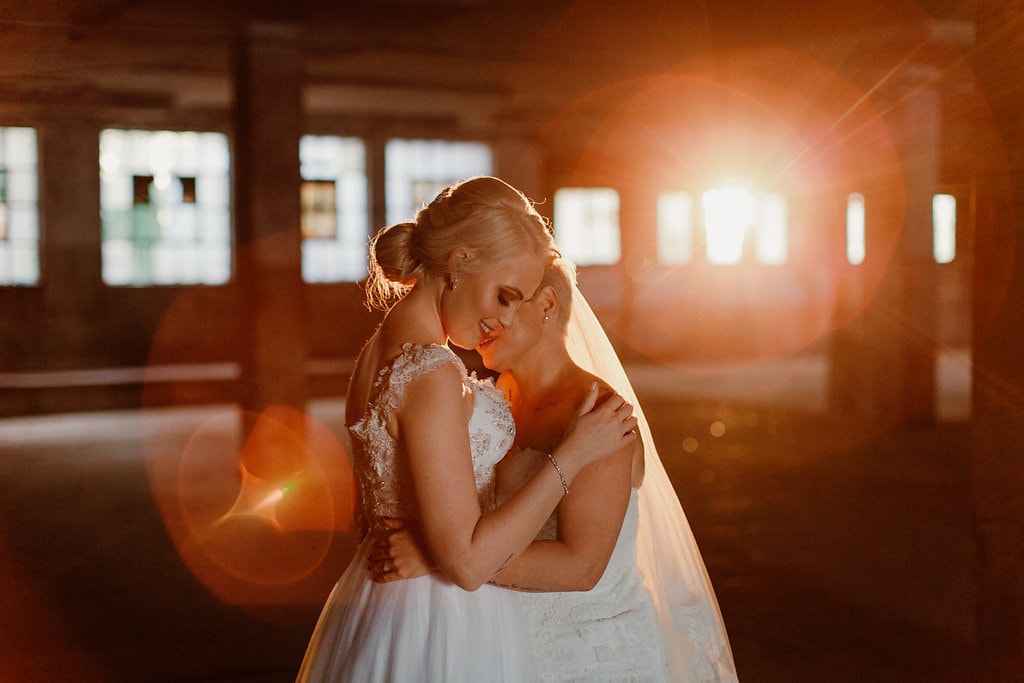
(426,629)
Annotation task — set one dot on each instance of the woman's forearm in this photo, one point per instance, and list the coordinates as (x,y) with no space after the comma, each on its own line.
(547,566)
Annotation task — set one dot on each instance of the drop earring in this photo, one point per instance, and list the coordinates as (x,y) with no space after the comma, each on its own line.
(454,282)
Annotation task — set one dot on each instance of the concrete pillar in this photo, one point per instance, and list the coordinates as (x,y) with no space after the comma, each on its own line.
(920,114)
(377,181)
(267,125)
(521,163)
(70,257)
(997,475)
(884,356)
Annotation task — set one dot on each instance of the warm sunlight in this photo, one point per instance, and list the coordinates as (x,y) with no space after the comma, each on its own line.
(855,242)
(728,216)
(944,228)
(675,228)
(771,232)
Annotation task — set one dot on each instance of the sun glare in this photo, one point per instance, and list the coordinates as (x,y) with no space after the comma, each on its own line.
(728,216)
(772,242)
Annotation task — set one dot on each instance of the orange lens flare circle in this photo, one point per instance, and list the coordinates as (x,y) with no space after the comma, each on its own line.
(254,501)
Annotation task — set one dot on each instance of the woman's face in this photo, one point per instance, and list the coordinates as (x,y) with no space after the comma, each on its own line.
(504,348)
(487,301)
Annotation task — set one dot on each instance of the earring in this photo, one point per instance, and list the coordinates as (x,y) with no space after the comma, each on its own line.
(546,318)
(454,282)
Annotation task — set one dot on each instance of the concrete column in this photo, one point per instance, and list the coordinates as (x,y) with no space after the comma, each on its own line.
(70,257)
(521,163)
(918,272)
(377,181)
(268,123)
(997,475)
(884,357)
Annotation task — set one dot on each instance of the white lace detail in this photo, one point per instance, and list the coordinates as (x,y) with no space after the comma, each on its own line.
(696,644)
(381,466)
(609,633)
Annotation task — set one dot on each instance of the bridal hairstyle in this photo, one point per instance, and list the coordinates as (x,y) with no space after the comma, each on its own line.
(491,218)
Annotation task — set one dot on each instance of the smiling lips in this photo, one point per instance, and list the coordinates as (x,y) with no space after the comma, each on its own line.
(487,337)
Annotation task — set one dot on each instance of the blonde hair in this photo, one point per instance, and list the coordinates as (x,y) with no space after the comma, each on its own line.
(489,217)
(560,276)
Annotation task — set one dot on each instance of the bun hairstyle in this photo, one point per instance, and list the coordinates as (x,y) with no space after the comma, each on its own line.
(489,217)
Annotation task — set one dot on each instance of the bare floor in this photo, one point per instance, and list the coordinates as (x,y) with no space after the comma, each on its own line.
(838,552)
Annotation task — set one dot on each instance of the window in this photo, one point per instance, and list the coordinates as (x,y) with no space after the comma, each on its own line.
(855,242)
(335,216)
(417,170)
(586,224)
(165,207)
(771,230)
(737,221)
(728,215)
(735,216)
(944,228)
(19,207)
(675,228)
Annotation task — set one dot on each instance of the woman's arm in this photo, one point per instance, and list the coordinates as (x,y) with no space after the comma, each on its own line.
(589,522)
(468,546)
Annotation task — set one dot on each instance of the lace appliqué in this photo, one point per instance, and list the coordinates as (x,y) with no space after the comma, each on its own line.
(609,633)
(381,466)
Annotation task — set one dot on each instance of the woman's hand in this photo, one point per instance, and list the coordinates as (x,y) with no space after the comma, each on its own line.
(598,430)
(398,553)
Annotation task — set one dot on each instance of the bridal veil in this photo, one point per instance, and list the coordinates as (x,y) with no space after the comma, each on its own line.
(693,634)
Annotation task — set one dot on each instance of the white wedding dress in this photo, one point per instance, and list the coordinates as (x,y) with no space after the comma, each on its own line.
(653,616)
(609,633)
(425,629)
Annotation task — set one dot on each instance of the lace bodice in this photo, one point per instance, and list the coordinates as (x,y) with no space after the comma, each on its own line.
(381,466)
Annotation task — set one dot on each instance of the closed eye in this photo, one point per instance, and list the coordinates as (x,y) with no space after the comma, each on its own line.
(510,296)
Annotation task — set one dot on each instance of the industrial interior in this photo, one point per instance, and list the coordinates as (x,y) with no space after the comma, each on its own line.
(801,224)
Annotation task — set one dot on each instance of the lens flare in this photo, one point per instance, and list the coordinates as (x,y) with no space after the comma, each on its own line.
(728,216)
(260,519)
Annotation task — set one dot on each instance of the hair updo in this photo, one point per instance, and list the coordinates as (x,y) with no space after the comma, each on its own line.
(489,217)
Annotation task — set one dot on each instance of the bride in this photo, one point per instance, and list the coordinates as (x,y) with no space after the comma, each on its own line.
(614,588)
(426,436)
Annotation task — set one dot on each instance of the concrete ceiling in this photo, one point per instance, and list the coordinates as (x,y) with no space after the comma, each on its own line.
(484,63)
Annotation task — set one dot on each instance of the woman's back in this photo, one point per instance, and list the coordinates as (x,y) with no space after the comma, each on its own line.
(441,631)
(379,458)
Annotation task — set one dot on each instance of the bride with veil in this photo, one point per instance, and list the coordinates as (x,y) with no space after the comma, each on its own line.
(653,615)
(693,636)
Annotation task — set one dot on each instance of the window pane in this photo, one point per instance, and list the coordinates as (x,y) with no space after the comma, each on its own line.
(771,245)
(728,216)
(944,228)
(19,207)
(335,213)
(855,242)
(586,224)
(675,227)
(417,170)
(165,207)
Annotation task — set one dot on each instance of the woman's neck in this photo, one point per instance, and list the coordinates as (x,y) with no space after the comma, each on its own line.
(418,314)
(545,373)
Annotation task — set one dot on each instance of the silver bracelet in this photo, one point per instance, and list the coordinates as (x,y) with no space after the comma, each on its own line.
(561,474)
